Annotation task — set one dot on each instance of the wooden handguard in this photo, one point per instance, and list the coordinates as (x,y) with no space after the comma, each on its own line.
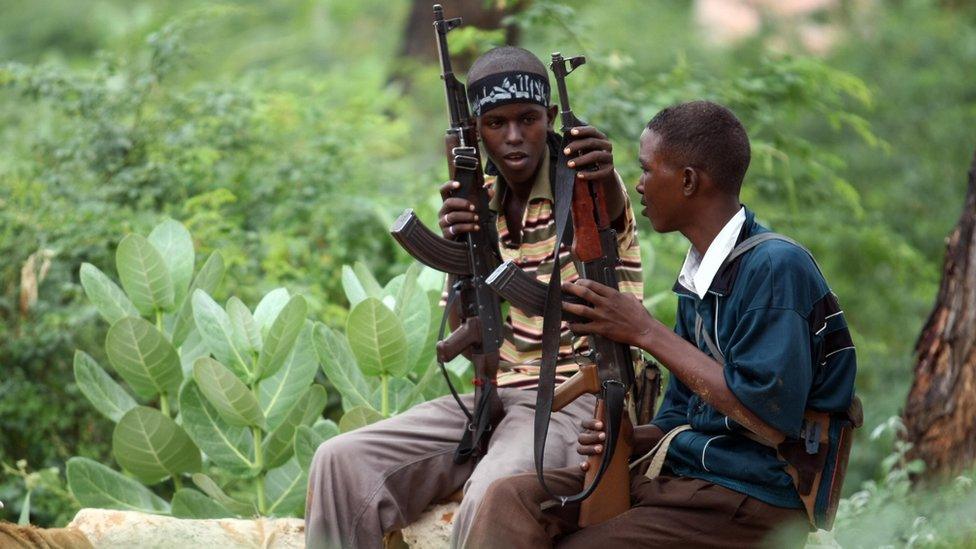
(612,496)
(586,234)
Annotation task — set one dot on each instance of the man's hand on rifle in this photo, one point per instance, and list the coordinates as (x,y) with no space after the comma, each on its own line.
(613,315)
(457,214)
(591,439)
(591,150)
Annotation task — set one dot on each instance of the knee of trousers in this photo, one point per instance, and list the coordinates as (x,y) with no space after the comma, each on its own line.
(507,491)
(335,455)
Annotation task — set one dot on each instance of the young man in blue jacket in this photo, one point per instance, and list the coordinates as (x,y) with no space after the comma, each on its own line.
(759,340)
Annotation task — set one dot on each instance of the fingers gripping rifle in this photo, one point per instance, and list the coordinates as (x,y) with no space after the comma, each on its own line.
(468,260)
(611,374)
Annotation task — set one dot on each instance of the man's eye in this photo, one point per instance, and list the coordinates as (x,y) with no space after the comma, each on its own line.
(529,120)
(494,124)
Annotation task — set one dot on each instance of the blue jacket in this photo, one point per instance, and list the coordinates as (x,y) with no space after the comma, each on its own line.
(787,348)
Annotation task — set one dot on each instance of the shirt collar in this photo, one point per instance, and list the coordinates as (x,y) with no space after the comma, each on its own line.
(699,270)
(540,187)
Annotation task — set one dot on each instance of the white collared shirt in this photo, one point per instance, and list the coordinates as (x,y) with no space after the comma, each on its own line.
(698,271)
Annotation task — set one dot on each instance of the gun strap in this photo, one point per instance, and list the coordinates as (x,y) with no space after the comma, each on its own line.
(479,421)
(614,393)
(807,479)
(452,295)
(701,334)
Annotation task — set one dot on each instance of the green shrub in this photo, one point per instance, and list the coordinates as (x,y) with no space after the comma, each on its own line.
(384,363)
(232,387)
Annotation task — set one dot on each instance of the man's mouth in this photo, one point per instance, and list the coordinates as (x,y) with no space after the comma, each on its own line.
(515,157)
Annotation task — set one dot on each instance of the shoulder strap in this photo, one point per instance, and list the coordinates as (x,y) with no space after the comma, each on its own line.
(702,334)
(758,239)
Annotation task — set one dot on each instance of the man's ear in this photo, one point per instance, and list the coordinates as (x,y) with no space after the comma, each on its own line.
(552,111)
(690,180)
(479,124)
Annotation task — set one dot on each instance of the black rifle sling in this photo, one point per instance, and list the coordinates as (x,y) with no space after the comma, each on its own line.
(451,298)
(613,393)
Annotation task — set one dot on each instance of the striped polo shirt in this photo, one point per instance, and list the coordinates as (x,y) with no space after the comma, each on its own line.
(522,347)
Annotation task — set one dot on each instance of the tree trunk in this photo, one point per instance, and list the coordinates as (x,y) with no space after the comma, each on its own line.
(418,37)
(940,414)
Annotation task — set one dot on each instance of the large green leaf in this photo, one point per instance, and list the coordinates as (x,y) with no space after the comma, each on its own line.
(110,301)
(107,396)
(152,446)
(227,446)
(271,304)
(281,337)
(278,393)
(214,325)
(413,310)
(207,279)
(212,489)
(423,386)
(428,350)
(360,416)
(377,339)
(393,287)
(144,275)
(340,367)
(402,395)
(143,357)
(285,488)
(191,504)
(366,278)
(431,280)
(228,394)
(308,439)
(95,485)
(279,445)
(352,286)
(247,334)
(193,348)
(175,246)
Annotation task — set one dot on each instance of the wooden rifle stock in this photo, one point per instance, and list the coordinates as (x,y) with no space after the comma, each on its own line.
(612,496)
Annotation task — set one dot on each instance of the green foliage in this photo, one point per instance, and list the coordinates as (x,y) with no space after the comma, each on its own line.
(276,134)
(211,416)
(895,511)
(387,339)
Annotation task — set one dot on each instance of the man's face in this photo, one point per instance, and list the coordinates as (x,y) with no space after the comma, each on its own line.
(660,185)
(514,136)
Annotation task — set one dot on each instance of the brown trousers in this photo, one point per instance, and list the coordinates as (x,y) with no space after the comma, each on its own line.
(667,511)
(380,478)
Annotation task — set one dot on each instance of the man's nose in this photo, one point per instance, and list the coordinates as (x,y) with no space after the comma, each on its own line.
(513,134)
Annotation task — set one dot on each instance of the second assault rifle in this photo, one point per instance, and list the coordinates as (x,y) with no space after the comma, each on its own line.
(610,375)
(468,260)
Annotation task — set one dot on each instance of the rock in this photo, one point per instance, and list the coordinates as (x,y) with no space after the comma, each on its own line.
(433,529)
(109,529)
(106,529)
(31,537)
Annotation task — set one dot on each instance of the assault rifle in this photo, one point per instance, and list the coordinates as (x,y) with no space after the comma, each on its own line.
(610,375)
(467,259)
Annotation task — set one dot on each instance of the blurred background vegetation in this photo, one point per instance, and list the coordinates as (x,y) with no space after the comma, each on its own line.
(290,134)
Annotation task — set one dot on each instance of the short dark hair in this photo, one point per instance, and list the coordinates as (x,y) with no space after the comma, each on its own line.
(707,136)
(506,59)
